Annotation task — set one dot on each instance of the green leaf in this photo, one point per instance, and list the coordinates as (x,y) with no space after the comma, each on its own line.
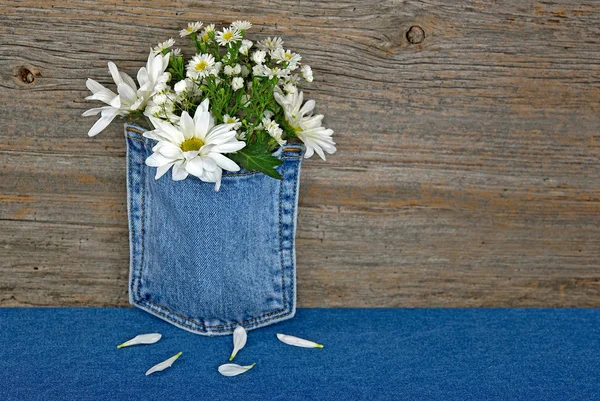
(255,157)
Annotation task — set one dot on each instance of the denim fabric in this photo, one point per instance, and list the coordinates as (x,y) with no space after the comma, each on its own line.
(369,354)
(209,261)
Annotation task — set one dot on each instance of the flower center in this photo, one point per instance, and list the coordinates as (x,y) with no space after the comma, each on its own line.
(191,144)
(201,65)
(227,35)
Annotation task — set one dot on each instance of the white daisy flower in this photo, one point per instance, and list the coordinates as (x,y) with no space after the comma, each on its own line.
(191,28)
(306,73)
(200,66)
(227,119)
(241,25)
(286,56)
(229,35)
(167,44)
(176,52)
(246,45)
(151,79)
(269,44)
(316,138)
(237,83)
(259,56)
(195,146)
(241,136)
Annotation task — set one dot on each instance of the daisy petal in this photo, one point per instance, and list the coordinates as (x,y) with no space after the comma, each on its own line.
(179,172)
(231,369)
(224,162)
(187,125)
(163,365)
(162,170)
(114,72)
(128,80)
(297,342)
(194,167)
(142,339)
(229,147)
(94,86)
(239,340)
(107,117)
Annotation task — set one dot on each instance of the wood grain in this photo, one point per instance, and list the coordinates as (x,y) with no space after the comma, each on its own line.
(468,149)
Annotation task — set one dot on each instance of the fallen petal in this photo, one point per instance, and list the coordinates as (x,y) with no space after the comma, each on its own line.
(163,365)
(298,342)
(142,339)
(239,340)
(231,369)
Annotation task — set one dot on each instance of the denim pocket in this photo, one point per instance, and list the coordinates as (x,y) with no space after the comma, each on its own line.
(209,261)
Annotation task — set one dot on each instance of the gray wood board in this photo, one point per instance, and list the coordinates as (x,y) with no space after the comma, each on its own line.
(468,149)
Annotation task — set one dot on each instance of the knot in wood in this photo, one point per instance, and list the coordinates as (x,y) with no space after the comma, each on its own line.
(415,34)
(26,76)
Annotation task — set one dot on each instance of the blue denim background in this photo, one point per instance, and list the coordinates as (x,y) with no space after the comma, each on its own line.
(209,261)
(369,354)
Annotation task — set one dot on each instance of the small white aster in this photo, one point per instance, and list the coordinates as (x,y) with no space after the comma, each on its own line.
(163,46)
(191,28)
(274,130)
(290,88)
(227,119)
(259,56)
(237,83)
(306,73)
(246,45)
(229,35)
(206,32)
(270,44)
(200,66)
(241,25)
(286,56)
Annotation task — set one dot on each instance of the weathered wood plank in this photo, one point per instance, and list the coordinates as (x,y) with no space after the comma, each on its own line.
(467,170)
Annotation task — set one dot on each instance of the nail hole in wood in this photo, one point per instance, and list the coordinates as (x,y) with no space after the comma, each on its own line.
(415,35)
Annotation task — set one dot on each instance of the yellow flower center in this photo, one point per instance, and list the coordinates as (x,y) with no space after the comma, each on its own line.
(205,37)
(201,65)
(228,35)
(191,144)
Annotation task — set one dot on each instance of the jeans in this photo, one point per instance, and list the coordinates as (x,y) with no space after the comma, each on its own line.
(210,261)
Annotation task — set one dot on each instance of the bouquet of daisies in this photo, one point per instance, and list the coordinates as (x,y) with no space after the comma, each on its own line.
(232,105)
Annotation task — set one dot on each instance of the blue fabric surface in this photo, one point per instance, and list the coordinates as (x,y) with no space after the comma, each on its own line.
(369,354)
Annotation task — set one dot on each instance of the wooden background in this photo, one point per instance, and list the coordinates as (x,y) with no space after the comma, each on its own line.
(467,171)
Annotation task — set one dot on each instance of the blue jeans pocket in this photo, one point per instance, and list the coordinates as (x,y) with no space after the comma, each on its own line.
(210,261)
